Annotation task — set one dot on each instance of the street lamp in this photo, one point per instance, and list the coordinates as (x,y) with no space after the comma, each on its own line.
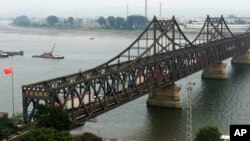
(189,86)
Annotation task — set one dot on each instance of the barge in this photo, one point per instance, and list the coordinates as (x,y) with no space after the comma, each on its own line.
(49,55)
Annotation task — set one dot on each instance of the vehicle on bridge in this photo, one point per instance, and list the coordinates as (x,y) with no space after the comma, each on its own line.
(74,101)
(157,73)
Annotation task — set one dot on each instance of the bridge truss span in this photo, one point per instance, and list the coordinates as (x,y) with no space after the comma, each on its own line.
(161,55)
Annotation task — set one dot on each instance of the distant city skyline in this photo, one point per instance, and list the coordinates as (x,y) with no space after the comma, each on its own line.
(96,8)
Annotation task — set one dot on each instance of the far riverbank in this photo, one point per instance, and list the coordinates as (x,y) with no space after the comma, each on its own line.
(6,27)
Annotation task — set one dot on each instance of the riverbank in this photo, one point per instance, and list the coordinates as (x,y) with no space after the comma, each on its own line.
(6,27)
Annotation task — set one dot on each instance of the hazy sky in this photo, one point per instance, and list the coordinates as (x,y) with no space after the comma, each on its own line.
(94,8)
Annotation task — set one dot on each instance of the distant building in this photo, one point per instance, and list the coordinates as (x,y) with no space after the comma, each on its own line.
(232,24)
(38,21)
(89,22)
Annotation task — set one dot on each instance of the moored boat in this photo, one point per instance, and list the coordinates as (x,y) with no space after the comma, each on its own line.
(2,54)
(14,53)
(49,55)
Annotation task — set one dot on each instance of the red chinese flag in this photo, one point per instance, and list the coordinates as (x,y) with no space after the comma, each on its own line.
(8,71)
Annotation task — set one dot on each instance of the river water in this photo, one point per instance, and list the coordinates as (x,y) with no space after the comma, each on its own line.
(214,102)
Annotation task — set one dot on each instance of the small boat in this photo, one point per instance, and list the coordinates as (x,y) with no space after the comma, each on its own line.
(3,54)
(46,55)
(92,38)
(49,55)
(14,53)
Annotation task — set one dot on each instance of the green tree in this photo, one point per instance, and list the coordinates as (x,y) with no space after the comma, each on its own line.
(52,20)
(47,134)
(17,119)
(208,133)
(136,21)
(46,116)
(22,21)
(70,20)
(120,23)
(190,22)
(102,22)
(111,21)
(6,127)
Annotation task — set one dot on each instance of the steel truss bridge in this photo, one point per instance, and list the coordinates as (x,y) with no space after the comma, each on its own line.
(161,55)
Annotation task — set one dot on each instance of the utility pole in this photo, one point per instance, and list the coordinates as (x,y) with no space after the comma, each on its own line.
(13,98)
(160,11)
(146,16)
(127,10)
(189,86)
(146,8)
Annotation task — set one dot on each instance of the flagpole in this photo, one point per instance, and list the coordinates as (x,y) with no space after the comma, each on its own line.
(13,99)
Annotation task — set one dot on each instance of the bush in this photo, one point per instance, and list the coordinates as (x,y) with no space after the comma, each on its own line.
(208,133)
(22,21)
(17,119)
(87,137)
(52,20)
(46,116)
(132,22)
(47,134)
(6,128)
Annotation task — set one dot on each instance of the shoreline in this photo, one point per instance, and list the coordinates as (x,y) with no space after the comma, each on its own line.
(8,28)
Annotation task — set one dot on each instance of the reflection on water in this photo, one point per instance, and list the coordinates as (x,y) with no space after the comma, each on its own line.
(217,102)
(165,123)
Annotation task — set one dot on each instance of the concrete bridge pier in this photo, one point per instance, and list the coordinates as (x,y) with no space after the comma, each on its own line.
(242,58)
(216,71)
(168,97)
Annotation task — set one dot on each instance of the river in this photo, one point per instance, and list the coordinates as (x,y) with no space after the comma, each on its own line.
(214,102)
